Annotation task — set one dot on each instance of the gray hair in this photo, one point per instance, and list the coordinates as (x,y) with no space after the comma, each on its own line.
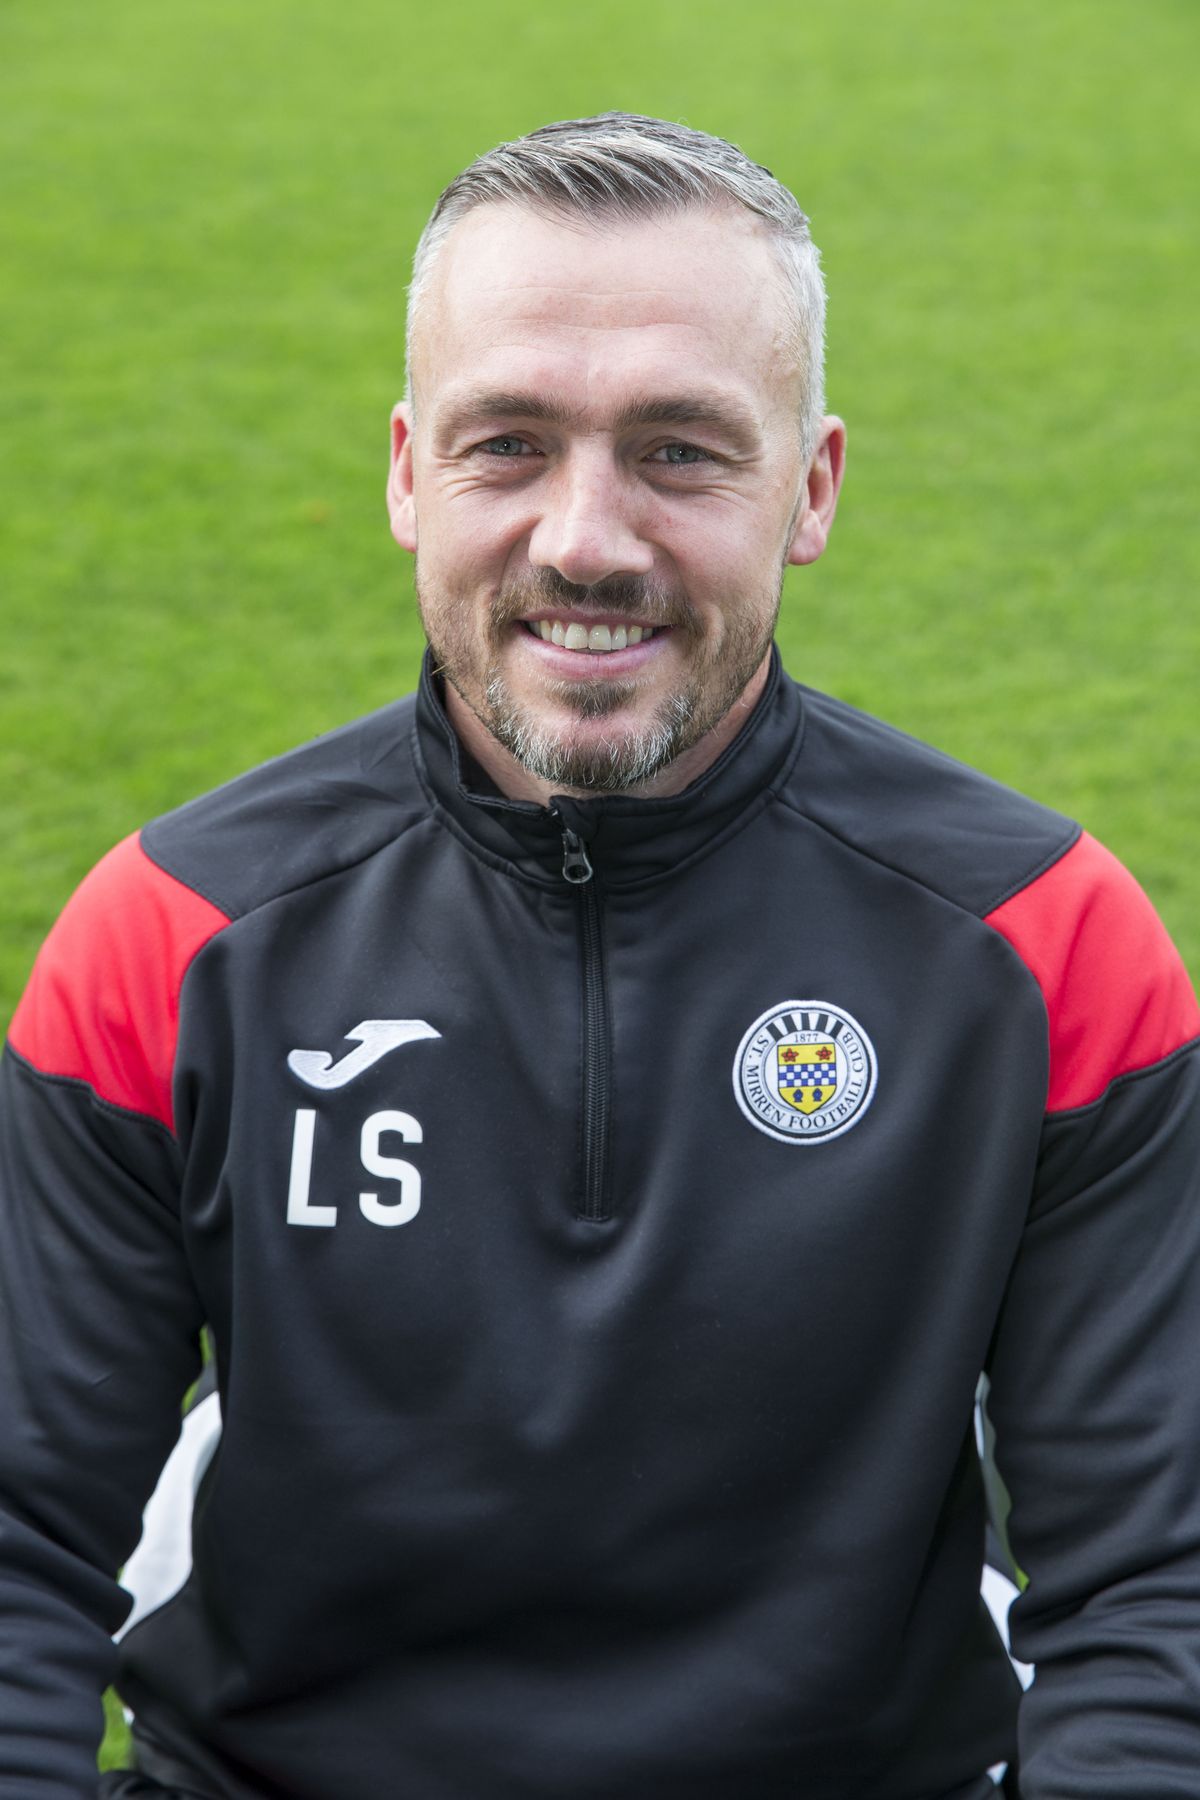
(627,166)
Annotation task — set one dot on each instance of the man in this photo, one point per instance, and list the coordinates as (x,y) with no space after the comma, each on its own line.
(608,1111)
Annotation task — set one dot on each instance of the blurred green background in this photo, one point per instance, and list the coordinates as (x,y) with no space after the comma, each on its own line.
(207,216)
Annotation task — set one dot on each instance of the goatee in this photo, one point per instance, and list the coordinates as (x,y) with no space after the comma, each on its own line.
(631,756)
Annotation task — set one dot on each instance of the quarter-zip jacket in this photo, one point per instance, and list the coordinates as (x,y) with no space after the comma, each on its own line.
(602,1215)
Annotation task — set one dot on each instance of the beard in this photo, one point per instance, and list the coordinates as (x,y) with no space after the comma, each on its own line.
(627,757)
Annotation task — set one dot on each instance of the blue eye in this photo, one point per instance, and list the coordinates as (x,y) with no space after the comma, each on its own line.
(504,446)
(681,455)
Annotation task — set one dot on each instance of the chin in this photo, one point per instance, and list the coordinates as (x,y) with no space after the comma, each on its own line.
(607,754)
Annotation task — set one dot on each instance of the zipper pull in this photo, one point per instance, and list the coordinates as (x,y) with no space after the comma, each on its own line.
(577,868)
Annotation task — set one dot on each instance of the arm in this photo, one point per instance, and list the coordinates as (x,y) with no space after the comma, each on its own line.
(99,1319)
(1096,1365)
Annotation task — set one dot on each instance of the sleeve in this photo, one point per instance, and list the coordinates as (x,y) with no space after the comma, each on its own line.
(99,1317)
(1095,1367)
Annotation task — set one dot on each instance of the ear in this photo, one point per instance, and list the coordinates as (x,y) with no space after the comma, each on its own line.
(822,486)
(401,510)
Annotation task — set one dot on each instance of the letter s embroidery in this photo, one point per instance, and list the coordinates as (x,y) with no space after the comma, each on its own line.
(390,1168)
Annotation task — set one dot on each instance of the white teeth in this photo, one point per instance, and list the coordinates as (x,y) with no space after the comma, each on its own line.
(602,638)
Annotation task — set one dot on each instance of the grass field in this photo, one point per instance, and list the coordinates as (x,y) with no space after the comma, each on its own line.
(207,215)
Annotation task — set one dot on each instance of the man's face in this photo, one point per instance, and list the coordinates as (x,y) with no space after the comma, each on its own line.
(603,482)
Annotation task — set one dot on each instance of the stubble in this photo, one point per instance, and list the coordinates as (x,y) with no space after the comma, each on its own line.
(631,755)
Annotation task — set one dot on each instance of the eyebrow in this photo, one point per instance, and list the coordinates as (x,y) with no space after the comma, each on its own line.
(727,417)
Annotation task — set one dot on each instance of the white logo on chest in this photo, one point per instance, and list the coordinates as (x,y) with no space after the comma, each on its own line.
(374,1037)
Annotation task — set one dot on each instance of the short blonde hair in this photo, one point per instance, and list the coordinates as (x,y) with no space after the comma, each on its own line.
(628,166)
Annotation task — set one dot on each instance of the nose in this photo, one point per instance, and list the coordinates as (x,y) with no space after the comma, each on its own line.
(588,528)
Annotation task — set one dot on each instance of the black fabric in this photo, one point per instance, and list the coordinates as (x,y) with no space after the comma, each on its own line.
(128,1784)
(681,1500)
(1109,1433)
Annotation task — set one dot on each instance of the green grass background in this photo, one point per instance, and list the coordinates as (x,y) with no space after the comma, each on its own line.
(207,216)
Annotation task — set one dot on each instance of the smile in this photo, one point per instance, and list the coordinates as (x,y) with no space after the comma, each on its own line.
(602,638)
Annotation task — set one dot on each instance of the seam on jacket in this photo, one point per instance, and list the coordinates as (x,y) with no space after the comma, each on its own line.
(191,886)
(234,914)
(801,738)
(770,791)
(758,804)
(126,1114)
(709,847)
(1027,881)
(1126,1076)
(490,858)
(946,900)
(927,886)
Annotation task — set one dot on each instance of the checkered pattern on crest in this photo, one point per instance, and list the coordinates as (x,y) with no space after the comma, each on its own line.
(806,1066)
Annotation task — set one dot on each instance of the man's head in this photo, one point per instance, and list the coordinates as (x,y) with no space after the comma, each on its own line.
(614,428)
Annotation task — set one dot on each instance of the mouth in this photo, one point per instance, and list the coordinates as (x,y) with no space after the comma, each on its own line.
(595,637)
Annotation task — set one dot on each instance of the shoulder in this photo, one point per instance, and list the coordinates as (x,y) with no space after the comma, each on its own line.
(1116,994)
(293,820)
(940,823)
(102,1003)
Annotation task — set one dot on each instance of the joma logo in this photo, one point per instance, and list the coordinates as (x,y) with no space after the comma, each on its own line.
(374,1037)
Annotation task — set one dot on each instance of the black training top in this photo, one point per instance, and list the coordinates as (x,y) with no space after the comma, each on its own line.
(603,1215)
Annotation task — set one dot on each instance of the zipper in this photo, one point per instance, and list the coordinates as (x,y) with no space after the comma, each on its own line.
(596,1074)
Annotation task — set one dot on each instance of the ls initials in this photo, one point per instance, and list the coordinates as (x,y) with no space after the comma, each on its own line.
(399,1211)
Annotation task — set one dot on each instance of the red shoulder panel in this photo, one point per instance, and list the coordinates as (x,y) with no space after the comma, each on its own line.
(102,1005)
(1116,992)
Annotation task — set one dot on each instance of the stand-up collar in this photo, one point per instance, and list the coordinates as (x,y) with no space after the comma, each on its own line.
(628,839)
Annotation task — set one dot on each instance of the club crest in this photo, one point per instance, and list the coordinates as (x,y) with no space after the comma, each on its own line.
(804,1072)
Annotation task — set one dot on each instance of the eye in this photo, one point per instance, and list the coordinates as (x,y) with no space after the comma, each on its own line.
(680,456)
(506,445)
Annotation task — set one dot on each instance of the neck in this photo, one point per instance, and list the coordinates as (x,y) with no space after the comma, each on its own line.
(516,782)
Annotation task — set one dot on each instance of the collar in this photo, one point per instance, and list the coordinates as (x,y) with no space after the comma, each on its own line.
(628,839)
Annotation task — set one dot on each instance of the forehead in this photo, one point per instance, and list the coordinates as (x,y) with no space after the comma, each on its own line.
(600,310)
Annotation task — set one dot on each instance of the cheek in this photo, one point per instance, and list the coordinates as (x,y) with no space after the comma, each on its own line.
(470,538)
(726,563)
(455,565)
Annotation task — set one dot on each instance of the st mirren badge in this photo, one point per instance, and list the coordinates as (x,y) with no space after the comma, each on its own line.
(804,1072)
